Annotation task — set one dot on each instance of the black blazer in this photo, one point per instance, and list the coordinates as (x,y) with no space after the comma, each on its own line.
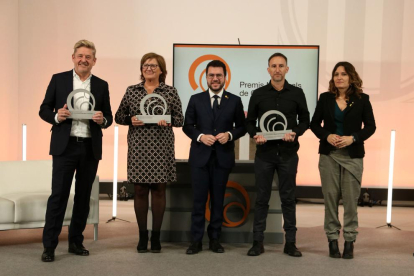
(199,119)
(56,95)
(358,111)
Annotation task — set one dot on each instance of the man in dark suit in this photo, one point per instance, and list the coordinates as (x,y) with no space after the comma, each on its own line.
(214,120)
(76,145)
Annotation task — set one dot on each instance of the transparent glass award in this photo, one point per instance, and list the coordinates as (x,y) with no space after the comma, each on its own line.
(148,116)
(81,104)
(268,123)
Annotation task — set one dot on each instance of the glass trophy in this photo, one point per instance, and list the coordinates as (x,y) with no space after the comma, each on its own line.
(148,116)
(81,104)
(267,126)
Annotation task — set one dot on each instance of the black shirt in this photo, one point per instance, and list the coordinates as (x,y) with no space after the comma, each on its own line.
(291,101)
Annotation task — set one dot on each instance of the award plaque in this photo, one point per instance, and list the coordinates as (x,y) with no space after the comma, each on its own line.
(80,105)
(268,131)
(148,116)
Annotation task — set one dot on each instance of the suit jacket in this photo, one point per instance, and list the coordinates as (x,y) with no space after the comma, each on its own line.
(56,95)
(358,111)
(199,118)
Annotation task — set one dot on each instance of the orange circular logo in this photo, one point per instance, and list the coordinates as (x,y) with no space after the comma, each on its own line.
(194,66)
(246,209)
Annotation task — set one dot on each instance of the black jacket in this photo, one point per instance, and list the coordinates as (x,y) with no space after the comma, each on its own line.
(358,112)
(56,95)
(199,119)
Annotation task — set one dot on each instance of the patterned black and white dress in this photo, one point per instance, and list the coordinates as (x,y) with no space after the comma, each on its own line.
(151,156)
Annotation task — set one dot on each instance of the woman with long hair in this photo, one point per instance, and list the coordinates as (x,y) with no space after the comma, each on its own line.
(348,121)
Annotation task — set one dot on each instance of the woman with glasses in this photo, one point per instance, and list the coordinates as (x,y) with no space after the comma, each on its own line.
(151,160)
(348,121)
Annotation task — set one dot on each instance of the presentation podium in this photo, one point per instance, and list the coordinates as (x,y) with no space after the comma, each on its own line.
(238,212)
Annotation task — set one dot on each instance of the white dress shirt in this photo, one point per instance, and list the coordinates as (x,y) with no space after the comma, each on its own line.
(220,94)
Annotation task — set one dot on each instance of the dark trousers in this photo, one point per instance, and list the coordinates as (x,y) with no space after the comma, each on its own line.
(210,178)
(286,170)
(78,157)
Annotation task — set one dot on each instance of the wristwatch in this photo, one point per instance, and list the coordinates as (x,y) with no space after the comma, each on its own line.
(353,138)
(106,121)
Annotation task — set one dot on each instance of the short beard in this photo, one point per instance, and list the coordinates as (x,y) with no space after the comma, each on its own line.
(216,91)
(278,80)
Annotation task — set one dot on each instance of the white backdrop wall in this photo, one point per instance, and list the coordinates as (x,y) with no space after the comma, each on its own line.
(375,35)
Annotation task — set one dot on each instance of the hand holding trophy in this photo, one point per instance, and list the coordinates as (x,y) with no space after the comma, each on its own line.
(269,132)
(81,104)
(148,116)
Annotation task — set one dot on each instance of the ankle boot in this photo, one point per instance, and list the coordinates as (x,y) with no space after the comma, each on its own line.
(143,242)
(348,250)
(334,249)
(257,249)
(155,242)
(291,250)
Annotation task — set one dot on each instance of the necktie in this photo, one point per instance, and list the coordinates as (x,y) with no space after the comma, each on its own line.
(215,104)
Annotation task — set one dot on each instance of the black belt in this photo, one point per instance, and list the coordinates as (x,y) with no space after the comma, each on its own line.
(80,139)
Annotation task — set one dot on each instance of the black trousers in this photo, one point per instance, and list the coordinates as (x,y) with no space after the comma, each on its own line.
(210,178)
(264,170)
(78,157)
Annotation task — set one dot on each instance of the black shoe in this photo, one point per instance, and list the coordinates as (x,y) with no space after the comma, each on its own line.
(257,249)
(291,250)
(155,242)
(334,249)
(48,255)
(194,248)
(348,250)
(78,249)
(215,246)
(142,246)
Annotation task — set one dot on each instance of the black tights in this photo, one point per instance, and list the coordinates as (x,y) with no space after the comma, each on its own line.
(157,204)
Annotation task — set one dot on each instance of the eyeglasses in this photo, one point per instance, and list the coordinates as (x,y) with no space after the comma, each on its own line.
(151,66)
(211,76)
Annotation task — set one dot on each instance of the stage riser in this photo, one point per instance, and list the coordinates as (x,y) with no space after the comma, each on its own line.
(177,218)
